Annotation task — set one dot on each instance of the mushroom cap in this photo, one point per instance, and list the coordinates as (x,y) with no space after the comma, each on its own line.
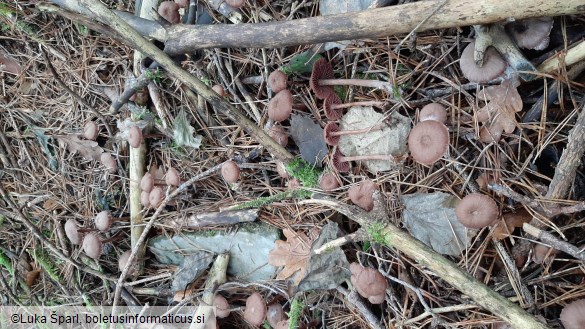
(135,136)
(145,199)
(103,220)
(91,131)
(282,325)
(330,112)
(321,70)
(109,162)
(219,90)
(368,282)
(573,315)
(433,111)
(280,106)
(477,211)
(172,178)
(255,310)
(235,3)
(493,64)
(72,231)
(428,141)
(169,10)
(361,194)
(155,196)
(123,260)
(540,253)
(328,182)
(338,162)
(275,314)
(92,245)
(278,133)
(222,307)
(147,182)
(277,81)
(230,171)
(531,33)
(330,139)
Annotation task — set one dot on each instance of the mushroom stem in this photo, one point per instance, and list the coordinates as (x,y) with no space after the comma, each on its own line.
(356,82)
(357,131)
(364,103)
(368,157)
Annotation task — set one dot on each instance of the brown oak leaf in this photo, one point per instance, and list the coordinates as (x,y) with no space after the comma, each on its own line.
(499,114)
(293,254)
(89,150)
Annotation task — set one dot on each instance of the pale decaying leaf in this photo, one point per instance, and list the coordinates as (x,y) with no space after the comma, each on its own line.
(430,217)
(293,254)
(390,140)
(9,64)
(124,127)
(183,132)
(89,150)
(499,114)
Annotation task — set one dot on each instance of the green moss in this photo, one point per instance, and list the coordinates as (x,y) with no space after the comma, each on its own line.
(6,263)
(296,309)
(304,172)
(376,232)
(46,262)
(264,201)
(154,75)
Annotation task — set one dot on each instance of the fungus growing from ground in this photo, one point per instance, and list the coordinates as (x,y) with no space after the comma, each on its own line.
(322,80)
(255,311)
(328,182)
(542,254)
(573,315)
(493,65)
(275,314)
(235,3)
(123,260)
(91,131)
(222,308)
(331,132)
(169,10)
(531,33)
(280,106)
(369,283)
(103,220)
(147,182)
(172,177)
(109,162)
(135,137)
(73,232)
(278,133)
(219,90)
(433,111)
(230,171)
(341,162)
(428,141)
(332,106)
(277,81)
(282,324)
(362,193)
(155,197)
(477,211)
(145,199)
(92,245)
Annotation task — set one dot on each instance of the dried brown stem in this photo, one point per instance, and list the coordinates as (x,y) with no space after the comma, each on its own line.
(553,241)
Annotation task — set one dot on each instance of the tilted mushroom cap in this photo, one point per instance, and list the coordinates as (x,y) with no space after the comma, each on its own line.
(169,10)
(145,199)
(368,282)
(172,178)
(278,133)
(92,245)
(321,70)
(255,311)
(274,314)
(433,111)
(103,220)
(219,90)
(222,308)
(135,136)
(277,81)
(361,194)
(147,182)
(109,162)
(428,141)
(531,33)
(282,324)
(123,260)
(541,254)
(330,139)
(91,131)
(477,211)
(235,3)
(156,196)
(72,231)
(573,315)
(328,182)
(338,163)
(493,64)
(230,171)
(330,112)
(280,106)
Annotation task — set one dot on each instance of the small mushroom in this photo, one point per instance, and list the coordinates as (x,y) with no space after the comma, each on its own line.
(255,311)
(147,182)
(428,141)
(236,3)
(73,232)
(109,162)
(275,314)
(477,211)
(493,65)
(573,315)
(542,254)
(331,132)
(369,283)
(123,260)
(332,106)
(169,10)
(219,90)
(282,324)
(433,111)
(92,245)
(145,199)
(172,177)
(278,133)
(277,81)
(103,220)
(230,171)
(341,162)
(280,106)
(135,136)
(156,196)
(531,33)
(91,131)
(328,182)
(222,308)
(361,194)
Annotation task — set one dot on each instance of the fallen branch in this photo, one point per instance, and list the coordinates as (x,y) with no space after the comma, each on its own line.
(553,241)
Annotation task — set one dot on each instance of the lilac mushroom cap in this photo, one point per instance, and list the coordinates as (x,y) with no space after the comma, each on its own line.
(255,311)
(169,10)
(103,220)
(361,194)
(477,211)
(230,171)
(573,315)
(219,90)
(274,314)
(331,139)
(328,104)
(91,131)
(321,70)
(338,163)
(369,283)
(147,182)
(135,136)
(72,231)
(236,3)
(531,33)
(145,199)
(280,106)
(428,141)
(109,162)
(221,306)
(433,111)
(123,260)
(92,245)
(156,196)
(493,64)
(328,182)
(277,81)
(172,178)
(278,133)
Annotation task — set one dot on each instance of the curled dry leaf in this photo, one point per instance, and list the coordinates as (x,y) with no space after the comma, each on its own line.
(293,254)
(89,150)
(499,114)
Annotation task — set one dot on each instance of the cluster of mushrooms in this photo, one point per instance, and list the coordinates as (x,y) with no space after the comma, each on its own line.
(169,10)
(152,194)
(255,312)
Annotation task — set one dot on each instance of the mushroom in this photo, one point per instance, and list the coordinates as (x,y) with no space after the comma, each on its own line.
(145,199)
(277,81)
(73,232)
(274,314)
(282,324)
(91,131)
(109,162)
(542,254)
(477,211)
(573,315)
(92,244)
(135,136)
(219,90)
(169,10)
(155,197)
(123,260)
(222,308)
(369,283)
(230,171)
(147,182)
(331,132)
(322,80)
(277,133)
(531,33)
(255,310)
(361,194)
(235,3)
(433,111)
(428,141)
(328,182)
(493,64)
(333,104)
(341,162)
(280,106)
(103,220)
(172,177)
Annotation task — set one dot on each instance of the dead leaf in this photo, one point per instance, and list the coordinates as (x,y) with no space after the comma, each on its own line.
(308,136)
(499,114)
(31,276)
(509,222)
(184,133)
(9,64)
(293,254)
(191,268)
(89,150)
